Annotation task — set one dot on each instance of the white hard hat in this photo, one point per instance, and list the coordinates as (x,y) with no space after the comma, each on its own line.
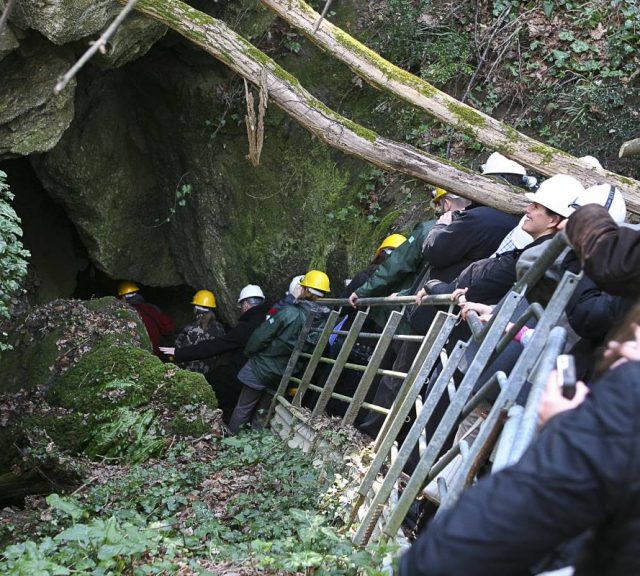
(558,194)
(295,282)
(607,196)
(250,291)
(592,162)
(499,164)
(520,238)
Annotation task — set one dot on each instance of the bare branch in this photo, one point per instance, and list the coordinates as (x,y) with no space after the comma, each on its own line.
(5,15)
(100,44)
(322,16)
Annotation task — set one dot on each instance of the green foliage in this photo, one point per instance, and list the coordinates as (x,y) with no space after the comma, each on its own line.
(13,256)
(125,434)
(157,519)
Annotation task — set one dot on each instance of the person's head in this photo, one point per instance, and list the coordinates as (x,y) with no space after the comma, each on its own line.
(294,286)
(128,291)
(605,195)
(388,245)
(251,295)
(501,168)
(204,303)
(550,205)
(591,162)
(445,201)
(314,285)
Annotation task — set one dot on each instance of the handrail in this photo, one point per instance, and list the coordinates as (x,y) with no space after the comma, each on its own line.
(429,300)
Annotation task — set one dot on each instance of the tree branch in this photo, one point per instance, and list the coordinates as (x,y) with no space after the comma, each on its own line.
(5,15)
(285,91)
(492,133)
(99,44)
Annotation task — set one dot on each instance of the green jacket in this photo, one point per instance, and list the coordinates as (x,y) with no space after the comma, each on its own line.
(395,274)
(399,271)
(272,342)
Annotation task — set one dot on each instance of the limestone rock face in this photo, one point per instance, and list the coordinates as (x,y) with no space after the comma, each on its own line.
(63,21)
(32,118)
(101,175)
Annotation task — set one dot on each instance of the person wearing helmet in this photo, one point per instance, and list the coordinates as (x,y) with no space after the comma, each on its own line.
(489,279)
(592,162)
(157,323)
(227,349)
(290,296)
(269,348)
(514,174)
(463,234)
(204,327)
(386,248)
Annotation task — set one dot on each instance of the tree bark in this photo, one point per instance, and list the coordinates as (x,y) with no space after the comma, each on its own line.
(216,38)
(630,148)
(492,133)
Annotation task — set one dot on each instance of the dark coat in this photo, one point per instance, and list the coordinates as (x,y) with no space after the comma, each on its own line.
(610,253)
(398,272)
(232,342)
(473,234)
(581,474)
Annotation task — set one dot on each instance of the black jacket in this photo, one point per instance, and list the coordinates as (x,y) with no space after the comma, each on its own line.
(233,341)
(473,234)
(581,474)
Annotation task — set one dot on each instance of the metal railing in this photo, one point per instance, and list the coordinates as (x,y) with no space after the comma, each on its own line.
(440,373)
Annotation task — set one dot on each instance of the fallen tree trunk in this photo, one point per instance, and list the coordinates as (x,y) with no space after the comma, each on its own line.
(630,148)
(216,38)
(492,133)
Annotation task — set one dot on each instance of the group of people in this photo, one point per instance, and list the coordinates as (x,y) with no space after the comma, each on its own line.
(573,497)
(245,364)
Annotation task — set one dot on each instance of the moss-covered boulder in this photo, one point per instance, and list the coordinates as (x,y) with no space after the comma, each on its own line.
(81,376)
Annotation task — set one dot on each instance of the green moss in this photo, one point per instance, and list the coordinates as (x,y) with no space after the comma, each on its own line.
(391,71)
(468,119)
(115,375)
(512,134)
(545,151)
(27,366)
(361,131)
(185,388)
(69,430)
(189,425)
(87,386)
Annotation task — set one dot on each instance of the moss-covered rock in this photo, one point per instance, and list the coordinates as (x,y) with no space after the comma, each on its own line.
(115,375)
(81,376)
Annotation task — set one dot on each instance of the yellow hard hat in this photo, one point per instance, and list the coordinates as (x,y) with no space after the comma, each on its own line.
(392,241)
(317,282)
(126,287)
(204,298)
(437,194)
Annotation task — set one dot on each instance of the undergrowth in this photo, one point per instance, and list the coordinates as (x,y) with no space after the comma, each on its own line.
(247,503)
